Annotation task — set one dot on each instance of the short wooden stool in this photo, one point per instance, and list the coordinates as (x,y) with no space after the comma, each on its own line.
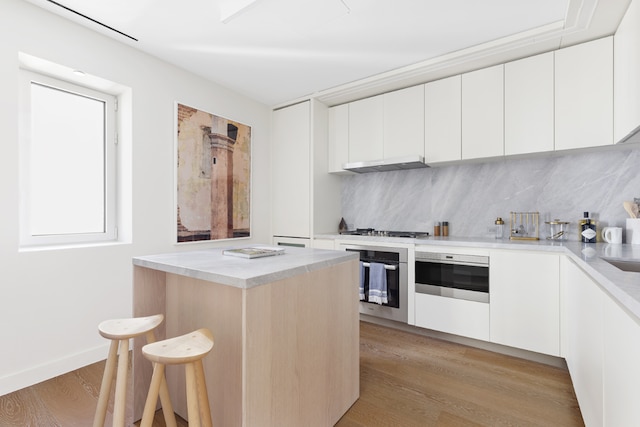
(119,331)
(188,349)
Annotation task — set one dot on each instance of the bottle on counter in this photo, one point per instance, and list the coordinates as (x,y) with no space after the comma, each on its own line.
(436,229)
(445,228)
(588,230)
(499,228)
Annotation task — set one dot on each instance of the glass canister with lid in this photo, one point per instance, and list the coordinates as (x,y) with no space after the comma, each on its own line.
(558,230)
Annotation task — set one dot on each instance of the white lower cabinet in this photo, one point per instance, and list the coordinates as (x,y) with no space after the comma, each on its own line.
(524,289)
(601,344)
(323,244)
(454,316)
(621,367)
(582,340)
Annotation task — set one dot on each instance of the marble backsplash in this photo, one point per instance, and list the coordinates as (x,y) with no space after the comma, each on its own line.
(471,196)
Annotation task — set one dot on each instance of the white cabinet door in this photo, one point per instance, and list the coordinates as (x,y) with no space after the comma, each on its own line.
(626,68)
(584,95)
(338,150)
(524,293)
(453,316)
(403,127)
(443,120)
(528,105)
(483,113)
(290,171)
(366,129)
(582,339)
(621,374)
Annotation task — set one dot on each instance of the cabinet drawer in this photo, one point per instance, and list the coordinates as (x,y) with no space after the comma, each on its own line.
(454,316)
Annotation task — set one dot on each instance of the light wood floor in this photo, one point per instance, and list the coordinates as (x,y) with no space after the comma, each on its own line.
(405,380)
(410,380)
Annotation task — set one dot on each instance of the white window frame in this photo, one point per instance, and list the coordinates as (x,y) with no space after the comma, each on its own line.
(27,239)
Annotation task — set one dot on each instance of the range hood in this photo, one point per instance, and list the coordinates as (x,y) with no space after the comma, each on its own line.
(394,164)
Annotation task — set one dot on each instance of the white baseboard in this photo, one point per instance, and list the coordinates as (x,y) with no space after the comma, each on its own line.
(28,377)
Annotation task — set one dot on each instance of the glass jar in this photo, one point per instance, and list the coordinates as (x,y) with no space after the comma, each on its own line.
(499,228)
(558,230)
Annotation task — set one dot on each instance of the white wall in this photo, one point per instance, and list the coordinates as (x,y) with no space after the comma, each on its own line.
(52,301)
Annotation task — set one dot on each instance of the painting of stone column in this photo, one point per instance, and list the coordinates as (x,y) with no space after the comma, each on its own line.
(213,177)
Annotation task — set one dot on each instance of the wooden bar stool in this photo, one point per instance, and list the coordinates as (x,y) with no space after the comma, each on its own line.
(119,331)
(188,349)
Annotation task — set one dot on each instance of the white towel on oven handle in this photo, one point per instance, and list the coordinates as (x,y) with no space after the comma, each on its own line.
(377,283)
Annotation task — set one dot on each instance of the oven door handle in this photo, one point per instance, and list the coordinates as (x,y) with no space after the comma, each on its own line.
(386,266)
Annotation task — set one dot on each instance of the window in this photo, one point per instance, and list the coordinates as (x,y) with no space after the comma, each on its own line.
(68,163)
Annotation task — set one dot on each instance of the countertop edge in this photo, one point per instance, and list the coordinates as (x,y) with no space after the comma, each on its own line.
(320,261)
(622,286)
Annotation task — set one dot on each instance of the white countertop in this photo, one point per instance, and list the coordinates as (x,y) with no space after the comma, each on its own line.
(211,265)
(623,286)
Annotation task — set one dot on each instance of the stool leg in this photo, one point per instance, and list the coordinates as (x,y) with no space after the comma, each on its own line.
(105,387)
(152,398)
(165,399)
(121,385)
(203,397)
(192,395)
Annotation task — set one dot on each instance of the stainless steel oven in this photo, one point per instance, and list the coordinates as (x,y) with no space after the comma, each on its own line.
(394,261)
(453,275)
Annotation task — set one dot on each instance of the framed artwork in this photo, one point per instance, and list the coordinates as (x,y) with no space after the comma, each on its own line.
(213,176)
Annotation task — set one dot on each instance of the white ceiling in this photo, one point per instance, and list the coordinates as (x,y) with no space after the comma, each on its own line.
(277,51)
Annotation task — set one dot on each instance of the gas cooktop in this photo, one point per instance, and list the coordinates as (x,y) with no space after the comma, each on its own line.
(385,233)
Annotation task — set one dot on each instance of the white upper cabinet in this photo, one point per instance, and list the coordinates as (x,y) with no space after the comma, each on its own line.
(483,113)
(584,95)
(366,118)
(403,128)
(338,138)
(387,126)
(443,120)
(528,105)
(626,71)
(290,166)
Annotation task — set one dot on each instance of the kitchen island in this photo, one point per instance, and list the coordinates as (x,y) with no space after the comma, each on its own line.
(285,328)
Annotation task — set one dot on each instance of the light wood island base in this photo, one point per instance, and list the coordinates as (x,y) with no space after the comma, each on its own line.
(286,353)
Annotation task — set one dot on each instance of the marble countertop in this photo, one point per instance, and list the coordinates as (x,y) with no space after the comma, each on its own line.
(211,265)
(623,286)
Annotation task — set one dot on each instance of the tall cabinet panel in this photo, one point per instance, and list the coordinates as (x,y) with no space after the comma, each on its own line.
(338,137)
(528,105)
(626,71)
(443,120)
(366,119)
(403,126)
(305,197)
(584,95)
(483,113)
(290,163)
